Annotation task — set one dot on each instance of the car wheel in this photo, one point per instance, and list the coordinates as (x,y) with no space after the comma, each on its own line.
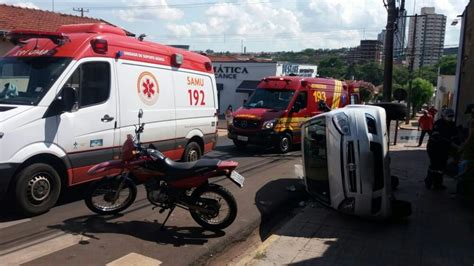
(192,152)
(284,143)
(394,111)
(36,189)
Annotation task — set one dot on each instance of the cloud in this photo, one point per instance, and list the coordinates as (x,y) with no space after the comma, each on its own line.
(144,10)
(25,4)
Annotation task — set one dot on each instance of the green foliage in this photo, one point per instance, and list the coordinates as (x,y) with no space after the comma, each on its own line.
(422,91)
(332,66)
(447,65)
(400,75)
(370,72)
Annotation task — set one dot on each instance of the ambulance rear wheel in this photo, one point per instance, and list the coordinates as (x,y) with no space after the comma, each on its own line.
(192,152)
(36,189)
(240,144)
(284,143)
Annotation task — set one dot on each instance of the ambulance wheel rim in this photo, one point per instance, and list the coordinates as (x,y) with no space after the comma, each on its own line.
(39,187)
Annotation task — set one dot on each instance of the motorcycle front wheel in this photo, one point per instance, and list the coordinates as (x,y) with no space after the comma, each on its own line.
(102,197)
(220,206)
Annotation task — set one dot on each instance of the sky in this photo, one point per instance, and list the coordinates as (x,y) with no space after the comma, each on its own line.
(257,25)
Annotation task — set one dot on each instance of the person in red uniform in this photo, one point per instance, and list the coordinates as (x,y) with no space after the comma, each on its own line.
(425,122)
(432,111)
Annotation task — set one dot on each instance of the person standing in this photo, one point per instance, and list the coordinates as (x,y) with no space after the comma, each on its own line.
(432,111)
(228,114)
(425,122)
(440,143)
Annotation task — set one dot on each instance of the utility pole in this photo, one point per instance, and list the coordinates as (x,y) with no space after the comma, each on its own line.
(410,69)
(81,9)
(388,46)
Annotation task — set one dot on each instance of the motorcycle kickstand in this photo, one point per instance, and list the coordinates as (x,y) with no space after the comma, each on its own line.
(166,219)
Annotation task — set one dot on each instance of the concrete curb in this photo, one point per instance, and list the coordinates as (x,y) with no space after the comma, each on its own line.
(278,212)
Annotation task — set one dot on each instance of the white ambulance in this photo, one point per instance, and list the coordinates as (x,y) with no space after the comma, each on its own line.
(69,98)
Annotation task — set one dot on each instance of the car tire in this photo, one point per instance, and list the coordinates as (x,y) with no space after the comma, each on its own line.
(192,152)
(240,144)
(394,111)
(284,143)
(36,189)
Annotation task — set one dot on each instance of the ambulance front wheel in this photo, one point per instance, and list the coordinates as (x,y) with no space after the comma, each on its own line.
(192,152)
(36,189)
(284,143)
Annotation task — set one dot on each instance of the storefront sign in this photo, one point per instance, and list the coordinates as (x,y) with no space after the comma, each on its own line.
(290,69)
(229,72)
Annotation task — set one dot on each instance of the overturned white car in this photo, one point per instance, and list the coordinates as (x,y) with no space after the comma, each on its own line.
(346,162)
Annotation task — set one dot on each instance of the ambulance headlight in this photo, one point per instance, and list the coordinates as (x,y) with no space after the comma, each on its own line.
(341,121)
(269,124)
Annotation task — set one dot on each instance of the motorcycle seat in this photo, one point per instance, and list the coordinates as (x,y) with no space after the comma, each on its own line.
(177,170)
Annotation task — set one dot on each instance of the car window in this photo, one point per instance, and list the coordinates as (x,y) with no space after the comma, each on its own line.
(92,81)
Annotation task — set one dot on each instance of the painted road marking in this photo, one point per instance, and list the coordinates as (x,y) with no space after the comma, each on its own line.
(12,223)
(134,259)
(28,252)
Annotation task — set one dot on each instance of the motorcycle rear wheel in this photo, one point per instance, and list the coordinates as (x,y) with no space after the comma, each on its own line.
(99,197)
(221,204)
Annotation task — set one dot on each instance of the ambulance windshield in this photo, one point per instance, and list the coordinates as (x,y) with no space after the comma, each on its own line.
(270,98)
(25,80)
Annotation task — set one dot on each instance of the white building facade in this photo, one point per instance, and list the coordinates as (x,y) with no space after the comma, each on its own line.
(429,37)
(237,80)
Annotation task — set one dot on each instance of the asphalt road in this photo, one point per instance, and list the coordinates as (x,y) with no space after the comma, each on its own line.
(70,234)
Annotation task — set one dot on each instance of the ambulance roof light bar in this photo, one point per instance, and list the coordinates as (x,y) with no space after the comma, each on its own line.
(18,36)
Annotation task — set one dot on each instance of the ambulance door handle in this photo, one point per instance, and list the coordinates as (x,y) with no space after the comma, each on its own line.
(106,118)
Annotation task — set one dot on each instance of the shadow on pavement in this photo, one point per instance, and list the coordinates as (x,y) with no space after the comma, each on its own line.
(439,231)
(92,225)
(275,202)
(69,195)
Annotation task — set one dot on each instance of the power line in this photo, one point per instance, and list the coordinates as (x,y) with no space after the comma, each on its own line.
(81,9)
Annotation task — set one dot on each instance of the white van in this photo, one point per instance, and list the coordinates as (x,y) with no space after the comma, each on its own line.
(69,98)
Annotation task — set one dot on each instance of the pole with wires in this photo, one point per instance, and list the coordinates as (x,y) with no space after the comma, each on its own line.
(388,46)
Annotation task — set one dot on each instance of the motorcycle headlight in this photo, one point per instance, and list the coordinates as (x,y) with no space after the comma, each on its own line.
(269,124)
(341,121)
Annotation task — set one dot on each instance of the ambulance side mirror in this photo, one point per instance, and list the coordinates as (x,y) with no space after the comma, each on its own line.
(296,107)
(69,98)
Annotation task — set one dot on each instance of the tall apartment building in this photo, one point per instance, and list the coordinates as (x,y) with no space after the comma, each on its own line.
(429,37)
(369,51)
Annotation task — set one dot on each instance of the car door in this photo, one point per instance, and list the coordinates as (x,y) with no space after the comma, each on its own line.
(87,133)
(303,113)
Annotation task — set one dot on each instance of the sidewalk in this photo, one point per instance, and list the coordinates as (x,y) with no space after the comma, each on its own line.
(440,230)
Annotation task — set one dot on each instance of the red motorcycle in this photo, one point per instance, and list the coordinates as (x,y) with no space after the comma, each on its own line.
(168,184)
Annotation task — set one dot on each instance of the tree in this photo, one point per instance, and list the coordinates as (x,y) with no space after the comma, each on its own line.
(371,72)
(422,91)
(447,65)
(400,75)
(332,66)
(366,91)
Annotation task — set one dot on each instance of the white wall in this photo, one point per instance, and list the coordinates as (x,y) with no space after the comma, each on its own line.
(445,90)
(232,74)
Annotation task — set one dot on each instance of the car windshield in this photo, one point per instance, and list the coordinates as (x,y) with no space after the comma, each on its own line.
(25,80)
(270,98)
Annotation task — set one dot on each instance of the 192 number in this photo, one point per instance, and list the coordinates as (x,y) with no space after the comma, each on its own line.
(196,97)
